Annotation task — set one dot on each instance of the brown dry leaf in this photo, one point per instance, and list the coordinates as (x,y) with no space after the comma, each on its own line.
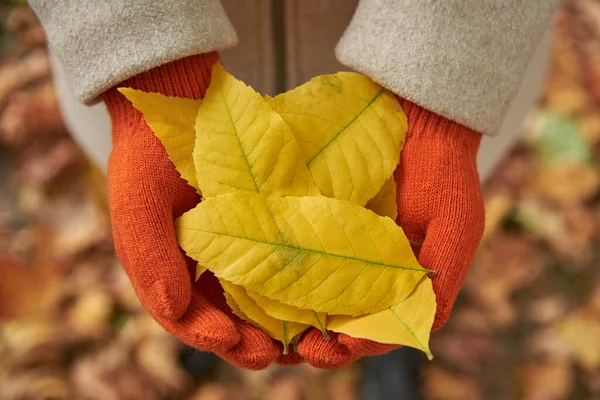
(34,341)
(77,224)
(86,379)
(592,381)
(440,384)
(497,207)
(564,92)
(31,115)
(469,318)
(586,34)
(210,391)
(90,314)
(18,73)
(567,230)
(285,388)
(505,265)
(36,385)
(566,99)
(28,290)
(566,184)
(20,17)
(594,301)
(157,357)
(580,333)
(547,309)
(130,384)
(467,351)
(33,36)
(547,381)
(110,374)
(41,165)
(343,384)
(546,345)
(590,127)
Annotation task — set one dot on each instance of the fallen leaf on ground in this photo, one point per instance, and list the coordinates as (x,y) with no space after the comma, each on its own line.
(547,381)
(580,332)
(441,384)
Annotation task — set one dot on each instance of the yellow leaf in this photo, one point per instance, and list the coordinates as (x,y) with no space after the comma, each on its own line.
(384,203)
(284,312)
(407,323)
(235,308)
(200,270)
(246,308)
(351,130)
(314,253)
(172,121)
(243,145)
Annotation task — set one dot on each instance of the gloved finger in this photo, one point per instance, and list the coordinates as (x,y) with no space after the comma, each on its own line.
(325,354)
(143,208)
(255,350)
(448,249)
(365,347)
(292,358)
(204,326)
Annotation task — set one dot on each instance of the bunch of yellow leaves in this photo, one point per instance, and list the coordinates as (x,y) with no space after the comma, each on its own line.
(299,202)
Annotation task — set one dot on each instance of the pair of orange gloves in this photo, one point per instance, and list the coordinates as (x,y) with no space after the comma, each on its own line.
(439,205)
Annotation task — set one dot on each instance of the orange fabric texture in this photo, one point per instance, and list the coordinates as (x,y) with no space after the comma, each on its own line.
(146,195)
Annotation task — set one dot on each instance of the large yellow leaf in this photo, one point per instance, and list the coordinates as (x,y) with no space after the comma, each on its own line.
(172,121)
(284,312)
(384,203)
(246,308)
(314,253)
(407,323)
(351,130)
(243,145)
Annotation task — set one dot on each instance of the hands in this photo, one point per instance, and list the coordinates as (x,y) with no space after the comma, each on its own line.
(146,195)
(439,205)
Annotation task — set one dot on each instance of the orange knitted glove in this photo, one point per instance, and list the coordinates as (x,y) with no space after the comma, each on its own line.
(439,200)
(439,205)
(146,195)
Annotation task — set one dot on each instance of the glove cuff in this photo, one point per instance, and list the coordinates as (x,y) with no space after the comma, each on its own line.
(187,77)
(426,125)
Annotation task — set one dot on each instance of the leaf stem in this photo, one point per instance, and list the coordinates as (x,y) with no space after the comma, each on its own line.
(321,326)
(286,340)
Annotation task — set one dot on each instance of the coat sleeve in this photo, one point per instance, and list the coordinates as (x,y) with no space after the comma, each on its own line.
(101,43)
(462,59)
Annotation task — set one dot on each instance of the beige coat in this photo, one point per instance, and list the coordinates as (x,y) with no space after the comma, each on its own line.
(464,59)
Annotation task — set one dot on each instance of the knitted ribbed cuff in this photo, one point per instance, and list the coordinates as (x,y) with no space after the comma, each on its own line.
(424,124)
(188,77)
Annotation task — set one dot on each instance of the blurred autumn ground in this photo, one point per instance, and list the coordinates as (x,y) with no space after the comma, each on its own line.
(527,324)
